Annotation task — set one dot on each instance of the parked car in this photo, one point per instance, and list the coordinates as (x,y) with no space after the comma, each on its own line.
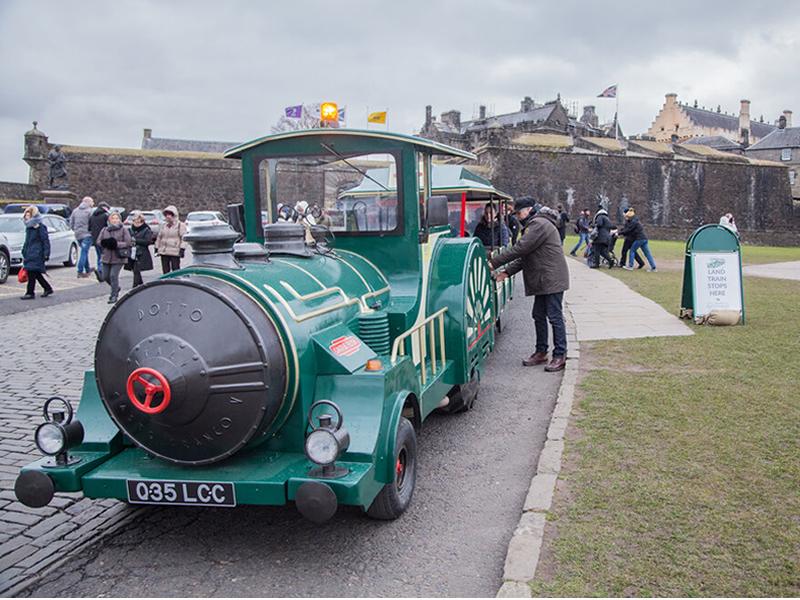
(204,217)
(154,218)
(5,258)
(61,210)
(63,246)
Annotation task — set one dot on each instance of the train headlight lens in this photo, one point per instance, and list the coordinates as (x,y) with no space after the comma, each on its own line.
(322,447)
(50,438)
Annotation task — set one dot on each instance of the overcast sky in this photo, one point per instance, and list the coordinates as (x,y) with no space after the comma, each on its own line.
(96,73)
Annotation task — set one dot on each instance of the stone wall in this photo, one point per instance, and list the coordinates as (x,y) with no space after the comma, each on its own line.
(18,192)
(148,179)
(671,196)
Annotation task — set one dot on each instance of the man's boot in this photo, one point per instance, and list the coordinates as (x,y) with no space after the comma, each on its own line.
(557,364)
(537,358)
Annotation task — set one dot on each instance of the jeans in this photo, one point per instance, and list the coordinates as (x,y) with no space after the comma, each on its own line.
(83,259)
(583,238)
(111,277)
(645,250)
(547,307)
(99,250)
(33,277)
(170,263)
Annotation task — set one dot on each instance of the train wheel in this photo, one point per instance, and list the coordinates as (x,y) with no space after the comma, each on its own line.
(395,497)
(462,397)
(498,324)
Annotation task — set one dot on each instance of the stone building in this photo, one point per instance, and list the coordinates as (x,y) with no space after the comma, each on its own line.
(550,117)
(679,122)
(782,146)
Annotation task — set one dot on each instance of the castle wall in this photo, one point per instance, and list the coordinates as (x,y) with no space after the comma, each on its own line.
(672,197)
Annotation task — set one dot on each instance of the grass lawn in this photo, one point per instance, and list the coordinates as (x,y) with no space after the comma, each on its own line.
(682,474)
(673,251)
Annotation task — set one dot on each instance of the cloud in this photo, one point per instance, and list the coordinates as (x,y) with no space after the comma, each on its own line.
(96,73)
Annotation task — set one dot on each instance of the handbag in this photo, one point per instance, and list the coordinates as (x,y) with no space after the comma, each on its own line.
(126,252)
(22,276)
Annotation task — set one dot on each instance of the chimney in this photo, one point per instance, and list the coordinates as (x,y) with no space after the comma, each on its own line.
(526,105)
(452,118)
(782,122)
(744,123)
(148,133)
(428,115)
(589,116)
(481,112)
(788,115)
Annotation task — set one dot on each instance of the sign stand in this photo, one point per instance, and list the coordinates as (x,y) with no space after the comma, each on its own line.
(712,273)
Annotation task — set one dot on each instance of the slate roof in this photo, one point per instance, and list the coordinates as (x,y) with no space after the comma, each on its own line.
(780,138)
(175,145)
(713,119)
(539,113)
(720,142)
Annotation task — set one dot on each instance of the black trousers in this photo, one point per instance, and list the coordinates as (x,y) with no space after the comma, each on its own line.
(599,250)
(137,274)
(33,277)
(625,249)
(548,307)
(170,263)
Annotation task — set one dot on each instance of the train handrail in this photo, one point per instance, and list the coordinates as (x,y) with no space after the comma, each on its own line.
(399,349)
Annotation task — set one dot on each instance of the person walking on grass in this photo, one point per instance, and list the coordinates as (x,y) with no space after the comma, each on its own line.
(631,230)
(35,253)
(563,219)
(169,241)
(116,243)
(79,223)
(582,226)
(540,257)
(639,242)
(602,241)
(142,238)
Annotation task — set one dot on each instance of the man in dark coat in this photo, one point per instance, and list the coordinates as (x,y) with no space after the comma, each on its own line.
(602,241)
(563,219)
(98,222)
(540,257)
(632,230)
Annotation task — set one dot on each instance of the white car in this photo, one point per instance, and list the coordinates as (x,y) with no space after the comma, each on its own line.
(204,218)
(63,245)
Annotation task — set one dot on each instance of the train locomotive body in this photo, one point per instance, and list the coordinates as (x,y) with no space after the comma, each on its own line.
(294,367)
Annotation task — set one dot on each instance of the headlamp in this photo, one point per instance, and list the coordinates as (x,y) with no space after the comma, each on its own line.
(58,433)
(326,442)
(50,438)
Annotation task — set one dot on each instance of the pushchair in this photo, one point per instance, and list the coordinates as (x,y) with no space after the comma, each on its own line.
(589,254)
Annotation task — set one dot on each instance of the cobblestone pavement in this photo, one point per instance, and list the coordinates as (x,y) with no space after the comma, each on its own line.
(61,278)
(43,352)
(476,471)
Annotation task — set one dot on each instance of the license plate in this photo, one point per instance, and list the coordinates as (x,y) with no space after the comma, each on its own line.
(181,493)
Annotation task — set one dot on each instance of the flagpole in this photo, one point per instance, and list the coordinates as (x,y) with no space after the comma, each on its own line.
(616,115)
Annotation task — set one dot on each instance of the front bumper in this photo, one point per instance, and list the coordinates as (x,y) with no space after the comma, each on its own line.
(259,477)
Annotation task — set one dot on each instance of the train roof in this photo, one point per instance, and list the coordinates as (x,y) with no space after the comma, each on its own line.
(418,142)
(444,178)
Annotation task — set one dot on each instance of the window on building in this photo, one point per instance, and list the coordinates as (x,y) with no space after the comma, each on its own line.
(792,177)
(786,154)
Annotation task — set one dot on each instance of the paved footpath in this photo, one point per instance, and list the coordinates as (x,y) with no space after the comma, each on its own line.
(782,270)
(604,308)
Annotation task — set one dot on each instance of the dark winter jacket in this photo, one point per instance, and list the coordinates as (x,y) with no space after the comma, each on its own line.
(563,219)
(36,248)
(540,257)
(142,238)
(633,230)
(97,222)
(582,226)
(603,225)
(492,235)
(112,239)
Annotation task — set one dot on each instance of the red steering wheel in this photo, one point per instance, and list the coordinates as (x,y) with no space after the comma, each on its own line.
(150,390)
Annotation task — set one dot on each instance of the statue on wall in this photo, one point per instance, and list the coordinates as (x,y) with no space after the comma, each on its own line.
(58,169)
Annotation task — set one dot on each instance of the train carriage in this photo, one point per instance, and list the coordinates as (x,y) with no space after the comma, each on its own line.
(296,366)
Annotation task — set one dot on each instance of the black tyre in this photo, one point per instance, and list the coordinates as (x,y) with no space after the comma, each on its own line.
(72,257)
(498,324)
(393,500)
(5,266)
(462,397)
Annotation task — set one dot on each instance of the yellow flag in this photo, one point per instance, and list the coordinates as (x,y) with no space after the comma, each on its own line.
(377,117)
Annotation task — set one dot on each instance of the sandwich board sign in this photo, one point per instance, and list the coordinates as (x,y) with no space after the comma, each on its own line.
(712,273)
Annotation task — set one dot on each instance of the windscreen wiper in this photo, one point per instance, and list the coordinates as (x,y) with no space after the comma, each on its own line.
(352,166)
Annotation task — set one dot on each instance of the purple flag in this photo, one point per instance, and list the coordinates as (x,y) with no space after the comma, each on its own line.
(294,112)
